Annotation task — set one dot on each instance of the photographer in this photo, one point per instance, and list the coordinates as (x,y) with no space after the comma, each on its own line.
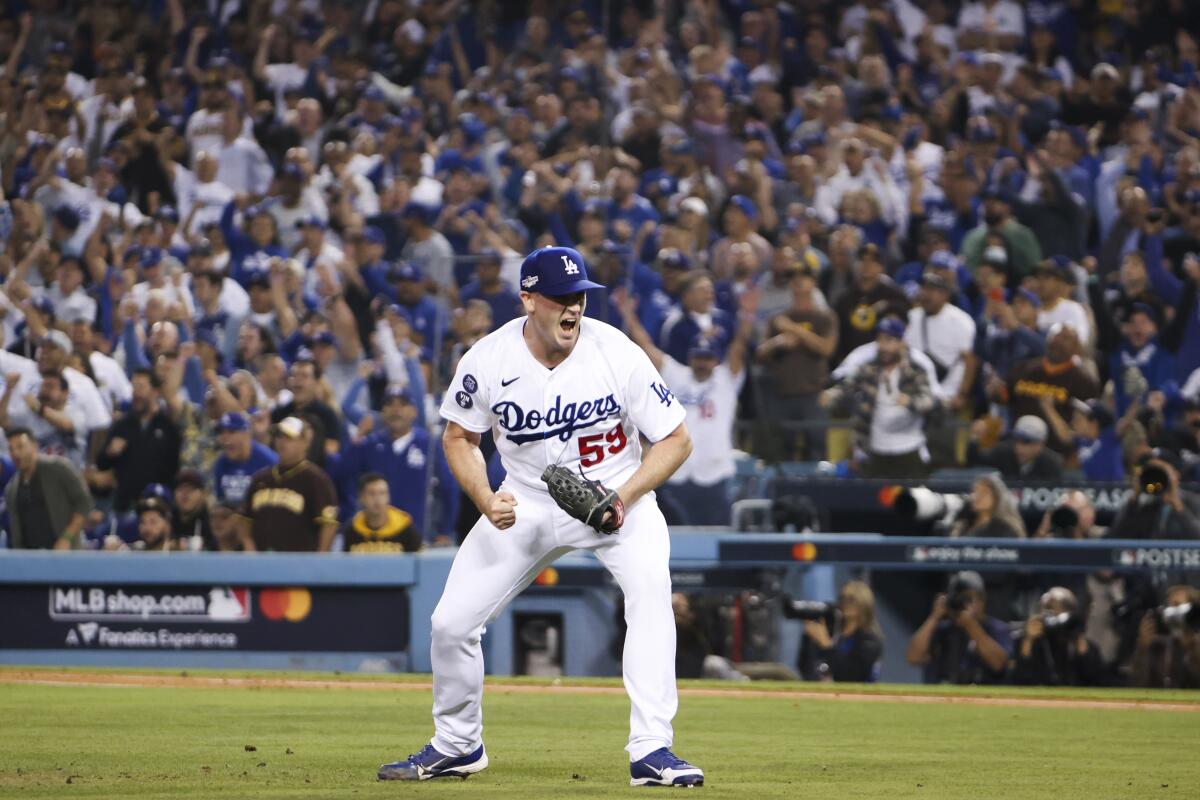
(1073,518)
(992,512)
(1052,649)
(959,643)
(851,653)
(1156,509)
(1167,655)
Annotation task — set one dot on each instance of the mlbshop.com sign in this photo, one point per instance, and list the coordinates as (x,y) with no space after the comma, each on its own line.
(205,617)
(222,603)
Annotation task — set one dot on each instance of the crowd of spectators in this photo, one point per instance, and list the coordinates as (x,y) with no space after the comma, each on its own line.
(242,244)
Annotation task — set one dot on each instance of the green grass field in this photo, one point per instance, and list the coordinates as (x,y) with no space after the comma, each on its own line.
(191,742)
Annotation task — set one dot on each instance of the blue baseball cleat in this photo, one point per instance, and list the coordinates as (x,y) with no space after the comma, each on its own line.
(429,763)
(664,768)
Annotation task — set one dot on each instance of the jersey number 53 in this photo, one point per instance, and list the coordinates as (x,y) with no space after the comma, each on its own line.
(592,449)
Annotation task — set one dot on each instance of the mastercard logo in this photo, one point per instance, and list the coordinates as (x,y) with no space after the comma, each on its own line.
(280,604)
(804,551)
(547,577)
(888,495)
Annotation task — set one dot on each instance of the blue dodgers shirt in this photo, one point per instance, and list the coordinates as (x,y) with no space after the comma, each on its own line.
(408,472)
(1100,458)
(231,479)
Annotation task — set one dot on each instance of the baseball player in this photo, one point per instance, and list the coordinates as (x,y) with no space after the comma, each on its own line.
(566,399)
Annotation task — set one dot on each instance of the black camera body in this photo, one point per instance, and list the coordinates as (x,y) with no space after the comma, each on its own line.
(1063,522)
(813,611)
(1154,480)
(958,599)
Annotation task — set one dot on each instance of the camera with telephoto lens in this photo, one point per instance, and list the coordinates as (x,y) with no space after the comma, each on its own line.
(1063,522)
(812,611)
(919,504)
(1181,617)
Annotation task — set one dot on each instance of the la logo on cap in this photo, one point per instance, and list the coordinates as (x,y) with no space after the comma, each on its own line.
(570,266)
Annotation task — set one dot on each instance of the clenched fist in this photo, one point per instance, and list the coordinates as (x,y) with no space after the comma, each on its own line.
(501,510)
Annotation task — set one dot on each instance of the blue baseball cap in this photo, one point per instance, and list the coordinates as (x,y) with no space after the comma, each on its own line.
(982,132)
(703,347)
(942,259)
(517,227)
(233,421)
(891,326)
(67,216)
(473,127)
(168,214)
(671,258)
(151,257)
(745,205)
(374,235)
(1021,293)
(323,337)
(209,337)
(312,222)
(157,491)
(257,277)
(415,210)
(682,147)
(395,392)
(555,271)
(404,271)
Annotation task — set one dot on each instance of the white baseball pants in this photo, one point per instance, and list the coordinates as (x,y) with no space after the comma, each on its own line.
(494,566)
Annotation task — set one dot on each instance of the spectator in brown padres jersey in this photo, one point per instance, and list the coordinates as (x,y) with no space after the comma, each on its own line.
(1061,375)
(380,527)
(291,506)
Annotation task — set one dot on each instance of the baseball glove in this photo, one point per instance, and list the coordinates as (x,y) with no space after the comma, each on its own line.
(584,499)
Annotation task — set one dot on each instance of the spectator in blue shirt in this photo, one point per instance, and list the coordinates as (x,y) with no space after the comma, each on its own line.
(251,250)
(627,211)
(1093,433)
(428,324)
(241,457)
(697,313)
(409,460)
(488,287)
(1007,334)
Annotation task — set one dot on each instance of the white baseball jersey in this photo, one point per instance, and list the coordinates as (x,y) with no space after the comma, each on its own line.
(711,407)
(585,413)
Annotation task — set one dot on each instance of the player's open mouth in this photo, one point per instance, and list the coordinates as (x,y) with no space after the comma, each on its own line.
(568,325)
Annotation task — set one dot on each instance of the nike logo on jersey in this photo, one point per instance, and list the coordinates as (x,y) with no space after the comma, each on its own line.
(510,380)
